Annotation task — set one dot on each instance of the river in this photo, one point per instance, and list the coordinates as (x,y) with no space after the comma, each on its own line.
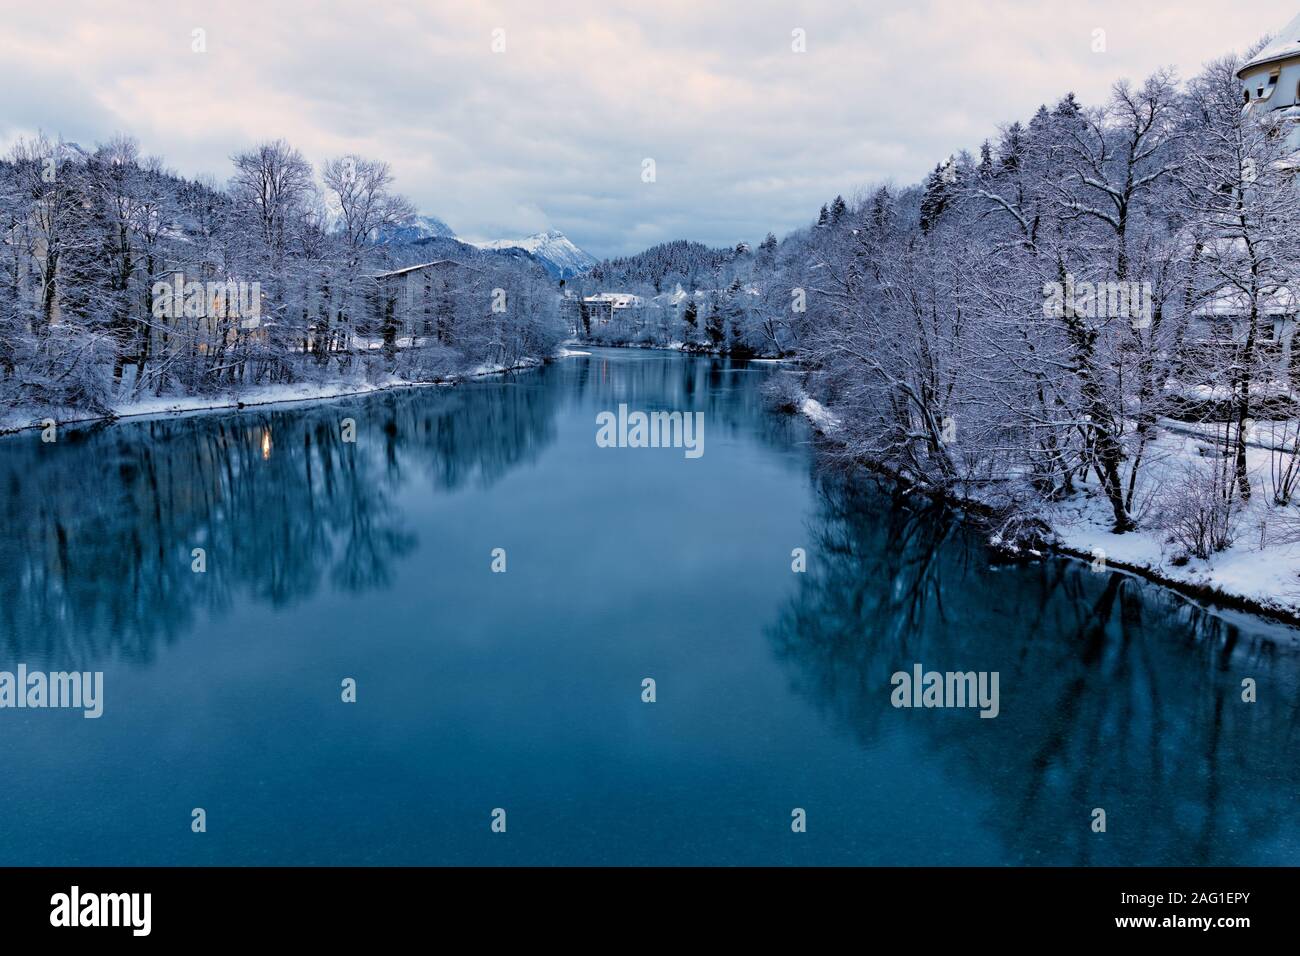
(522,691)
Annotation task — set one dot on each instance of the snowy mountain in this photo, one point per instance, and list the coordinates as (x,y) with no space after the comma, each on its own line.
(553,249)
(70,150)
(416,228)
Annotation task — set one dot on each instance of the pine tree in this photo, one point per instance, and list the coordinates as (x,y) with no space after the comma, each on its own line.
(1040,124)
(1068,107)
(1012,149)
(935,199)
(715,323)
(823,218)
(881,214)
(838,209)
(732,316)
(985,170)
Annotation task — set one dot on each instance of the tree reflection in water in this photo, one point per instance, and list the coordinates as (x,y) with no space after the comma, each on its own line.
(98,529)
(1114,693)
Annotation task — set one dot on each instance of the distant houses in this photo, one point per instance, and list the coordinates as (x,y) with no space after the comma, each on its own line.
(602,309)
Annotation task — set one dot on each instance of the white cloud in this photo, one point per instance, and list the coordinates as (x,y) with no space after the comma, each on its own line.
(746,134)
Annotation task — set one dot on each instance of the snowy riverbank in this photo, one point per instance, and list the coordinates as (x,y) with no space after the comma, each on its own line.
(153,406)
(691,348)
(1259,572)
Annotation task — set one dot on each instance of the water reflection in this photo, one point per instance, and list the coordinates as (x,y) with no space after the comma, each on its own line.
(1115,693)
(99,530)
(724,389)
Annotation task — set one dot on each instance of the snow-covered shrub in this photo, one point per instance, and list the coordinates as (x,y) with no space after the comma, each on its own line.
(1284,459)
(648,336)
(784,392)
(428,364)
(71,369)
(375,368)
(1018,530)
(1281,526)
(1199,510)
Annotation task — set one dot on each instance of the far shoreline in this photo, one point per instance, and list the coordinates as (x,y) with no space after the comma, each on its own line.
(266,397)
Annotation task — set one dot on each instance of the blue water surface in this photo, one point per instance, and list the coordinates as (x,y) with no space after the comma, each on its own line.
(522,690)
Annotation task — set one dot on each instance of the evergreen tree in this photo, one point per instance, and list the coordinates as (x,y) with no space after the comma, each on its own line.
(1068,107)
(937,195)
(985,171)
(1011,151)
(715,323)
(1040,124)
(733,317)
(880,213)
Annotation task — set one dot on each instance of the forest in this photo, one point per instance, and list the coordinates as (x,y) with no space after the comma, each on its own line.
(1096,300)
(94,239)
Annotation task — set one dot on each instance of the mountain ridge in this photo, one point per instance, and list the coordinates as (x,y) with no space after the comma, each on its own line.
(556,251)
(552,249)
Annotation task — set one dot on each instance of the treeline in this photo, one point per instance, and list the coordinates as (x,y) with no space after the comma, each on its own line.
(662,267)
(1025,323)
(91,242)
(735,301)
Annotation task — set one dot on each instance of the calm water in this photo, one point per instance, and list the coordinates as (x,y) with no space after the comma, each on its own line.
(523,690)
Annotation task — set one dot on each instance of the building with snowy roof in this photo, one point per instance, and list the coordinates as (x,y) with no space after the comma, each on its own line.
(418,301)
(1271,79)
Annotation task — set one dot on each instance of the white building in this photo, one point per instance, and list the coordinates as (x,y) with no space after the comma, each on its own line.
(1271,79)
(602,308)
(419,301)
(1270,83)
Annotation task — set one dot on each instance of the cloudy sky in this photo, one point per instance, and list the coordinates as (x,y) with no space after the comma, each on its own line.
(552,132)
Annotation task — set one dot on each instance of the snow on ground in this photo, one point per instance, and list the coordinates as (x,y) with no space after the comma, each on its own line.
(152,406)
(1260,566)
(816,413)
